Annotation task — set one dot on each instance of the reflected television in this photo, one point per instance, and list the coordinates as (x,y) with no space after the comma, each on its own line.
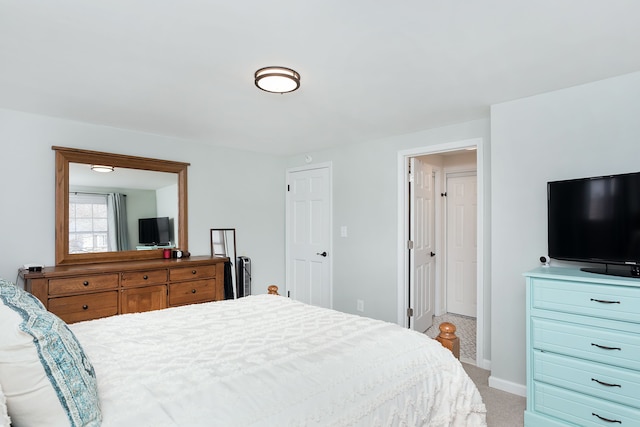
(154,231)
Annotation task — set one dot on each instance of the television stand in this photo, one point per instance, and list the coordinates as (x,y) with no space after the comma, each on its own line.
(152,247)
(632,271)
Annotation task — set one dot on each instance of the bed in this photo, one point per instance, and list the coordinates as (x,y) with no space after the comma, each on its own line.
(261,360)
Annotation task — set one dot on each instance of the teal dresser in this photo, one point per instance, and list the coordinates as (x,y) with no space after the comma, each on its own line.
(583,349)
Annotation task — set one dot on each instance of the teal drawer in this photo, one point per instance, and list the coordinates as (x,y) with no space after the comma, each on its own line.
(605,301)
(585,411)
(586,342)
(598,380)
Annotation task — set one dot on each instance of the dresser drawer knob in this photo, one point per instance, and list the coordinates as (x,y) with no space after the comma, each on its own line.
(604,347)
(603,301)
(606,384)
(145,277)
(193,271)
(193,291)
(85,307)
(606,419)
(86,283)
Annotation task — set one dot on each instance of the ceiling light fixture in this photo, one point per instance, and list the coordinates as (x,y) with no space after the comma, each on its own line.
(102,168)
(277,79)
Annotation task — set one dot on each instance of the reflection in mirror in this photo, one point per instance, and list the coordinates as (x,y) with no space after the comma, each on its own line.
(87,230)
(223,243)
(106,210)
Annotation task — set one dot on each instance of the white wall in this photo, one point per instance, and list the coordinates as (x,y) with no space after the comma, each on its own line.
(365,195)
(166,206)
(227,188)
(582,131)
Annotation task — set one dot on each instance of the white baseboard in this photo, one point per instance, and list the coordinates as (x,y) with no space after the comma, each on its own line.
(508,386)
(485,364)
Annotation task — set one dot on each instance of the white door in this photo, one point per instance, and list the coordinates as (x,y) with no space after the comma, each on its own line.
(462,244)
(422,256)
(308,236)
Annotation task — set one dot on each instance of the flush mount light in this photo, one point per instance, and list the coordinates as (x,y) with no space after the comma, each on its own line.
(277,79)
(102,168)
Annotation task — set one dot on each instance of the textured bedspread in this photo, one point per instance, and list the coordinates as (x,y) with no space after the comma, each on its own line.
(270,361)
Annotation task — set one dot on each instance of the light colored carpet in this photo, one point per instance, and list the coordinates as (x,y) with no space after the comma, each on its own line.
(503,409)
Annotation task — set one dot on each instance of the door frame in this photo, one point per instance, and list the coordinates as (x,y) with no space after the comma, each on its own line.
(287,215)
(403,224)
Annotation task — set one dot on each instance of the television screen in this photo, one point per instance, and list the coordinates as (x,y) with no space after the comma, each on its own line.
(595,219)
(154,231)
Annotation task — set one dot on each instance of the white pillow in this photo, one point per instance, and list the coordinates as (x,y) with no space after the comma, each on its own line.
(46,377)
(5,421)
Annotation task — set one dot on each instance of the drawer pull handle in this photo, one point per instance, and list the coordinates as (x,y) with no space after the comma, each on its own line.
(606,419)
(606,384)
(193,291)
(604,347)
(603,301)
(145,277)
(86,283)
(85,307)
(193,271)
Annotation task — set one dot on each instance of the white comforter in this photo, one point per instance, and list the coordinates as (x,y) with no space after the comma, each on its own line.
(270,361)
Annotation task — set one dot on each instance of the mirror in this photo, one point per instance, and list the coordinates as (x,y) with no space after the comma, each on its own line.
(152,188)
(223,243)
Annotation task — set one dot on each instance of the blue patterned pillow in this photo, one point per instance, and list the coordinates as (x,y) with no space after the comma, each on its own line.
(30,334)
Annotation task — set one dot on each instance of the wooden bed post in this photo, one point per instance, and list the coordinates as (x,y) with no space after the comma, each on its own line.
(449,339)
(272,290)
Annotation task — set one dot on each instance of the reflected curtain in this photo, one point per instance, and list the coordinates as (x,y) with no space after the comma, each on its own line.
(118,228)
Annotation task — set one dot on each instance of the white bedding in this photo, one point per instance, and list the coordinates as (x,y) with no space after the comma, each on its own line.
(270,361)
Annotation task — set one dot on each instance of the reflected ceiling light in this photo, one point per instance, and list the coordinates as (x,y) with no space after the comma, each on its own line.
(277,79)
(102,168)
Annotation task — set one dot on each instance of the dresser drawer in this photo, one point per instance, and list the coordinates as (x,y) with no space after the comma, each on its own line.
(192,292)
(143,298)
(85,307)
(580,409)
(586,342)
(598,380)
(83,284)
(587,299)
(148,277)
(188,273)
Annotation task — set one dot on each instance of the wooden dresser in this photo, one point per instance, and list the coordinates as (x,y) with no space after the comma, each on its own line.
(83,292)
(583,349)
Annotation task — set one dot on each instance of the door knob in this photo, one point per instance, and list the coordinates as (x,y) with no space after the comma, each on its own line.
(433,254)
(322,254)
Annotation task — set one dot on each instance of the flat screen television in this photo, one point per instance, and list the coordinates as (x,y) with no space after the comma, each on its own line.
(154,231)
(596,220)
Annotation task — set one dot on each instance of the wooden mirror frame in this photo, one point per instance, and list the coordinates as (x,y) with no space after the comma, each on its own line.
(64,156)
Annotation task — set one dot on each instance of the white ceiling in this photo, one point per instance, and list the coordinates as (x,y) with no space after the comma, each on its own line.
(81,175)
(370,68)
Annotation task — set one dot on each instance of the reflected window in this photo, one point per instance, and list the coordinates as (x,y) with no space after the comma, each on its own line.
(88,223)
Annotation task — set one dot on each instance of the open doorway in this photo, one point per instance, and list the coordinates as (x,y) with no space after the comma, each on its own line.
(451,164)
